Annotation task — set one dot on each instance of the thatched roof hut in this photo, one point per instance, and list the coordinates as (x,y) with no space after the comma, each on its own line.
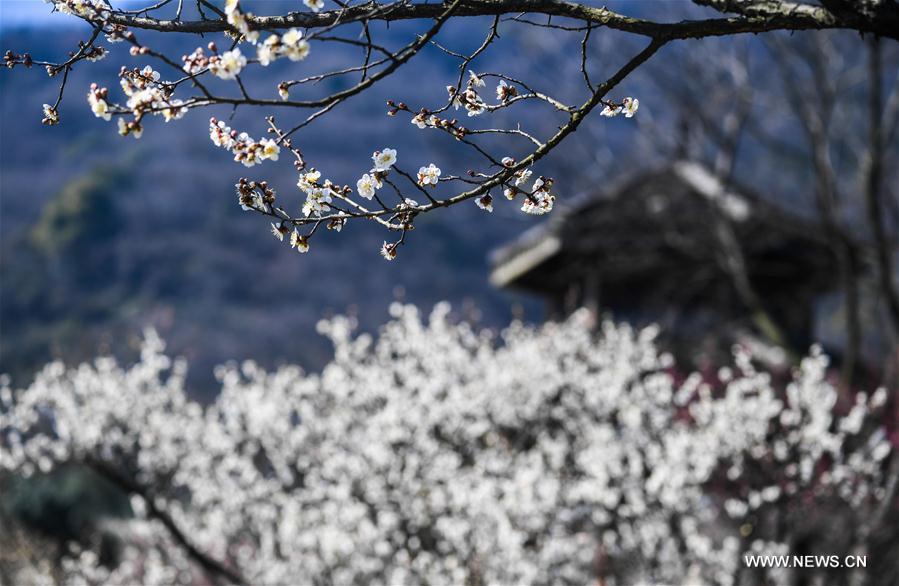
(675,246)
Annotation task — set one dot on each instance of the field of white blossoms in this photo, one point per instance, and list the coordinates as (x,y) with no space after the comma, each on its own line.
(433,453)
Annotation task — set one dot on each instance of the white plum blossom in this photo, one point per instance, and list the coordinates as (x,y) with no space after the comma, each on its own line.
(132,128)
(294,46)
(309,179)
(456,100)
(474,80)
(473,103)
(422,120)
(97,54)
(83,8)
(630,106)
(429,175)
(388,251)
(174,110)
(610,111)
(317,200)
(434,453)
(522,176)
(245,149)
(384,159)
(254,196)
(96,98)
(196,62)
(146,94)
(314,5)
(221,134)
(100,108)
(240,20)
(540,201)
(144,99)
(148,74)
(51,115)
(291,45)
(504,91)
(228,65)
(485,202)
(468,98)
(298,241)
(365,186)
(538,204)
(267,51)
(270,149)
(279,231)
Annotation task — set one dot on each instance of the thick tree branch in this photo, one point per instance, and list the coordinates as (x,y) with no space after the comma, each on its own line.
(215,568)
(766,16)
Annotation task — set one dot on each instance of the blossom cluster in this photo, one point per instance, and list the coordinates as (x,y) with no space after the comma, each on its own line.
(469,98)
(197,61)
(319,194)
(96,98)
(429,175)
(438,454)
(240,20)
(82,8)
(537,200)
(51,115)
(369,183)
(425,119)
(540,200)
(314,5)
(628,107)
(146,95)
(252,195)
(322,195)
(291,44)
(246,150)
(228,65)
(505,91)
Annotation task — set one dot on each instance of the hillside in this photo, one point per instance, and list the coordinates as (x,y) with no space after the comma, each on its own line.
(172,250)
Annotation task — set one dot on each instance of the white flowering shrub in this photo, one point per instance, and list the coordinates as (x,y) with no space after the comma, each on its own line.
(505,151)
(434,453)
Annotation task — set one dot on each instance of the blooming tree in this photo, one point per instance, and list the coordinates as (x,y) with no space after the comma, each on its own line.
(438,454)
(382,190)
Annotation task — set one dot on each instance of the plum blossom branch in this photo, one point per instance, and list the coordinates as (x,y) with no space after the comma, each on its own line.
(761,17)
(257,41)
